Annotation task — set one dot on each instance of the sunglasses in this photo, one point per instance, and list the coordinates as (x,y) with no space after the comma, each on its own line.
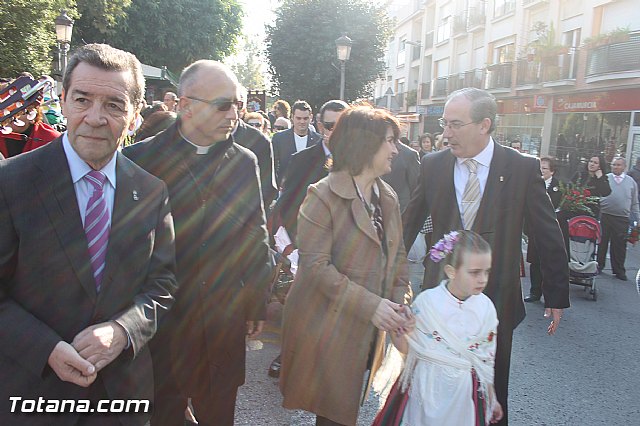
(280,127)
(220,104)
(254,124)
(328,125)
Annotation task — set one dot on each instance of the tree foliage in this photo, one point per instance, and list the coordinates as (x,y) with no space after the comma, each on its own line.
(97,18)
(247,66)
(27,36)
(301,48)
(175,33)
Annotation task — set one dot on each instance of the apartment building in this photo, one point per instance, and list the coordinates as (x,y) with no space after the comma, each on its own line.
(566,73)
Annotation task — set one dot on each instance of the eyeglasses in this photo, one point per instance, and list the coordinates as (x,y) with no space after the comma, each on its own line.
(454,125)
(328,125)
(220,104)
(254,124)
(280,127)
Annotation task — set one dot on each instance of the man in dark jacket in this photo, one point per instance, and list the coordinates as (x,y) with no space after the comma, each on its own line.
(221,250)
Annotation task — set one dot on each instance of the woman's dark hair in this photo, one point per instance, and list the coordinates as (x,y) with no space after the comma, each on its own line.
(602,162)
(359,133)
(155,123)
(468,242)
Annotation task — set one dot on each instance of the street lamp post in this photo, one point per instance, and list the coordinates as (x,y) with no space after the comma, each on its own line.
(343,46)
(64,28)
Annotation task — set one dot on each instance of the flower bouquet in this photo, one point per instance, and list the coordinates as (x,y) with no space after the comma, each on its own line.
(578,199)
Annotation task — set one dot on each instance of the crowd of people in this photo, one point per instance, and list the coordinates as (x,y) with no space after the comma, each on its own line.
(137,247)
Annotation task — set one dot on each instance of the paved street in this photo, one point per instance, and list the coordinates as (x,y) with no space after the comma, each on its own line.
(588,374)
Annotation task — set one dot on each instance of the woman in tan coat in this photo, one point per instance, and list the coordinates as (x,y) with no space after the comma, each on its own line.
(352,284)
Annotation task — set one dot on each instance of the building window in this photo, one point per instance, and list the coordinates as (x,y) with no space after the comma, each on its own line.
(503,7)
(505,53)
(401,53)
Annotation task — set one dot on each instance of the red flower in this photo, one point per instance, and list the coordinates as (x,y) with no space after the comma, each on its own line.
(587,193)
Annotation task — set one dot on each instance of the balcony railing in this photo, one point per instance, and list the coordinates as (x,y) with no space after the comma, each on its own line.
(471,78)
(477,16)
(415,53)
(527,72)
(499,76)
(440,88)
(504,9)
(428,40)
(425,90)
(460,25)
(561,67)
(616,57)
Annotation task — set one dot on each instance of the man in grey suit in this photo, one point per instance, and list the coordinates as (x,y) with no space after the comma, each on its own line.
(86,256)
(290,141)
(493,190)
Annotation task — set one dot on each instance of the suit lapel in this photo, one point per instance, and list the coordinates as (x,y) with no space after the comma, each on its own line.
(58,196)
(499,174)
(341,183)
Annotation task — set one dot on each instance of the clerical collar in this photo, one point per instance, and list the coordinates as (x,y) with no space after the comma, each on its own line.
(200,150)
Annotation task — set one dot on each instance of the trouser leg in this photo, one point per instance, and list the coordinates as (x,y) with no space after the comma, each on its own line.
(536,280)
(619,228)
(502,366)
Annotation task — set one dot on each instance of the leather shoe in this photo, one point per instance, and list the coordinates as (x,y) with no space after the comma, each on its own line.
(622,277)
(274,368)
(531,298)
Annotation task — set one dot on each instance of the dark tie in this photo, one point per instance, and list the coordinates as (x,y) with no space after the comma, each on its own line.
(471,196)
(96,225)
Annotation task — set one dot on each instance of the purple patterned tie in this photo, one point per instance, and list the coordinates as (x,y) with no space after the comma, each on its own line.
(96,225)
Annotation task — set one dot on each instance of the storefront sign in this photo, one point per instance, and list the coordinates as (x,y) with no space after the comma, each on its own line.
(618,100)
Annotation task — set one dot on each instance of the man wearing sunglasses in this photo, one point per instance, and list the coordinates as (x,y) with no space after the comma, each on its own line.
(288,142)
(221,250)
(306,167)
(480,185)
(281,124)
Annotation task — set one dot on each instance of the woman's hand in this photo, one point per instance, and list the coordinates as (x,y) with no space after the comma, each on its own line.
(598,173)
(387,316)
(409,321)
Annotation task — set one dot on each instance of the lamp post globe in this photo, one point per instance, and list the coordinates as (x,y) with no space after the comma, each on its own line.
(343,48)
(64,30)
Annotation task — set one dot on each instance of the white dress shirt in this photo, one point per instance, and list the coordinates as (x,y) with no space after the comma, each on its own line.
(79,168)
(461,172)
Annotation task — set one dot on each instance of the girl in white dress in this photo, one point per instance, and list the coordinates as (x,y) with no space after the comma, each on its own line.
(451,352)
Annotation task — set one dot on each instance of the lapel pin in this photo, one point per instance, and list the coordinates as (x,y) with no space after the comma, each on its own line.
(135,195)
(501,178)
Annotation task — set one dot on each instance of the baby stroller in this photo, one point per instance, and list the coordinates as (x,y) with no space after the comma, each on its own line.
(584,236)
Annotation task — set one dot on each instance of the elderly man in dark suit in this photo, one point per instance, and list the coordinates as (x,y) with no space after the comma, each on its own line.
(290,141)
(221,249)
(483,186)
(405,173)
(86,255)
(255,141)
(548,170)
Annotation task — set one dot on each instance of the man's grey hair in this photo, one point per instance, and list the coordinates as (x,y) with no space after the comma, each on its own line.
(109,58)
(483,104)
(618,157)
(190,74)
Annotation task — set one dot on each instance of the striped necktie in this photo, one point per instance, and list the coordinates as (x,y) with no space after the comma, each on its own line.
(471,196)
(97,224)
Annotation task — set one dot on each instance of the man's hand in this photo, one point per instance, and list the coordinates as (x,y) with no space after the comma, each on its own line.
(101,343)
(254,328)
(388,316)
(556,315)
(70,367)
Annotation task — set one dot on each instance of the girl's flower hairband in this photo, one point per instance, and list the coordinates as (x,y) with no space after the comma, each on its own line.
(442,248)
